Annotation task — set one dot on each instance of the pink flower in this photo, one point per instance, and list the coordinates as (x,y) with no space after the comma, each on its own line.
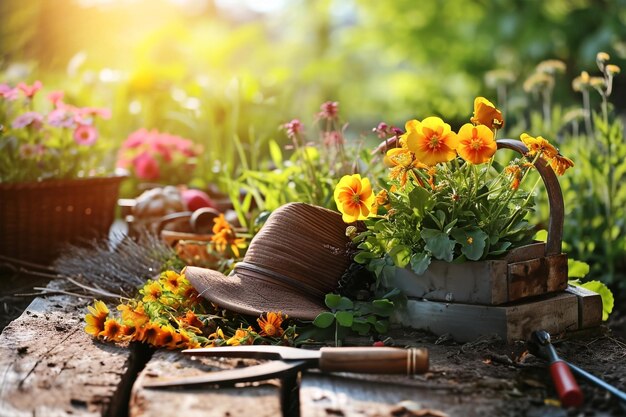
(136,139)
(8,93)
(31,151)
(293,128)
(146,167)
(333,138)
(55,97)
(329,110)
(94,111)
(30,90)
(61,117)
(85,135)
(31,118)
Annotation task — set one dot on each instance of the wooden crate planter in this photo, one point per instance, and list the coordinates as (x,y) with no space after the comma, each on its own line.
(509,297)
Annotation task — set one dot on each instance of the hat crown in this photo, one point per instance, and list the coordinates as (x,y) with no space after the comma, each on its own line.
(300,246)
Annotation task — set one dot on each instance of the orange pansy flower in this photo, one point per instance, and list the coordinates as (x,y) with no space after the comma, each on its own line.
(432,141)
(476,143)
(560,164)
(485,113)
(539,145)
(354,198)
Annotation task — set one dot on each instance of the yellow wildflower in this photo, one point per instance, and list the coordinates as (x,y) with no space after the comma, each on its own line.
(96,318)
(539,145)
(270,324)
(354,198)
(152,291)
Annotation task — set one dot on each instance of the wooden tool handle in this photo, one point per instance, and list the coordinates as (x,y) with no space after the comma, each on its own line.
(568,390)
(374,360)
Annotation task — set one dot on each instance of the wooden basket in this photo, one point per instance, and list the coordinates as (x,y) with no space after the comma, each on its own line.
(38,218)
(527,271)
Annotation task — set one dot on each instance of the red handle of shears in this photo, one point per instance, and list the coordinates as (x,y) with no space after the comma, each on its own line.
(568,390)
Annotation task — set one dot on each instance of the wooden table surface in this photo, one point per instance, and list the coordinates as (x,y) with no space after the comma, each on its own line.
(50,367)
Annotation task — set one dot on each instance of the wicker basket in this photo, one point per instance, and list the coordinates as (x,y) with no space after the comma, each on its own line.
(37,219)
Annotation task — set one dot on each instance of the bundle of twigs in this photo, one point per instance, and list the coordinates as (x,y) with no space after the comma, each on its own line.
(103,268)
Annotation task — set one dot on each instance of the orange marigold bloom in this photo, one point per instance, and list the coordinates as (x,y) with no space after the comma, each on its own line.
(167,337)
(476,143)
(152,291)
(432,141)
(171,280)
(486,113)
(134,317)
(148,333)
(96,318)
(382,199)
(560,164)
(190,319)
(114,330)
(539,145)
(270,324)
(354,198)
(225,237)
(241,337)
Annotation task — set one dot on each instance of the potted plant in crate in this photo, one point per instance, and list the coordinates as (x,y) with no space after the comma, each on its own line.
(53,187)
(450,223)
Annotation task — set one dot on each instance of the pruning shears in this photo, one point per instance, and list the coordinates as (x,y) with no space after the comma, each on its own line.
(287,361)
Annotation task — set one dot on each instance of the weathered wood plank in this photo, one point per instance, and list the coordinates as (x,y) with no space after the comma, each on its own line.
(50,367)
(537,276)
(466,322)
(261,399)
(589,307)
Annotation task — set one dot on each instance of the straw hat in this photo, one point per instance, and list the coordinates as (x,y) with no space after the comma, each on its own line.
(298,256)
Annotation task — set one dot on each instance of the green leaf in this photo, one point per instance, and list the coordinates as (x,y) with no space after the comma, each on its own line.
(541,235)
(361,328)
(607,296)
(420,262)
(337,302)
(381,326)
(439,244)
(577,269)
(324,320)
(345,318)
(472,242)
(401,255)
(420,200)
(276,154)
(382,307)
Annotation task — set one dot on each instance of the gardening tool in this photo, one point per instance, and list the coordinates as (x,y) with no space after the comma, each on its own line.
(621,395)
(287,361)
(566,387)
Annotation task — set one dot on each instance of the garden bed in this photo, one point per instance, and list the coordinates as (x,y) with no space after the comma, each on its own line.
(50,365)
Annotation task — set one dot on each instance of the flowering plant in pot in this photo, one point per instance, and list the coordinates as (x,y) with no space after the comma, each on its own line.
(447,197)
(53,186)
(47,139)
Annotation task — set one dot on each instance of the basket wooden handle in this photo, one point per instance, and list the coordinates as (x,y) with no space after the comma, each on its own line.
(374,360)
(555,196)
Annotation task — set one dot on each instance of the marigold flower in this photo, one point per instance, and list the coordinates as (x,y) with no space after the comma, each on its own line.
(134,317)
(486,113)
(171,280)
(166,337)
(560,164)
(190,319)
(225,237)
(96,318)
(114,330)
(354,198)
(241,337)
(152,291)
(539,145)
(432,140)
(148,333)
(270,324)
(476,143)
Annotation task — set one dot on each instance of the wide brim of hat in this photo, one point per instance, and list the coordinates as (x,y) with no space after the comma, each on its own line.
(249,296)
